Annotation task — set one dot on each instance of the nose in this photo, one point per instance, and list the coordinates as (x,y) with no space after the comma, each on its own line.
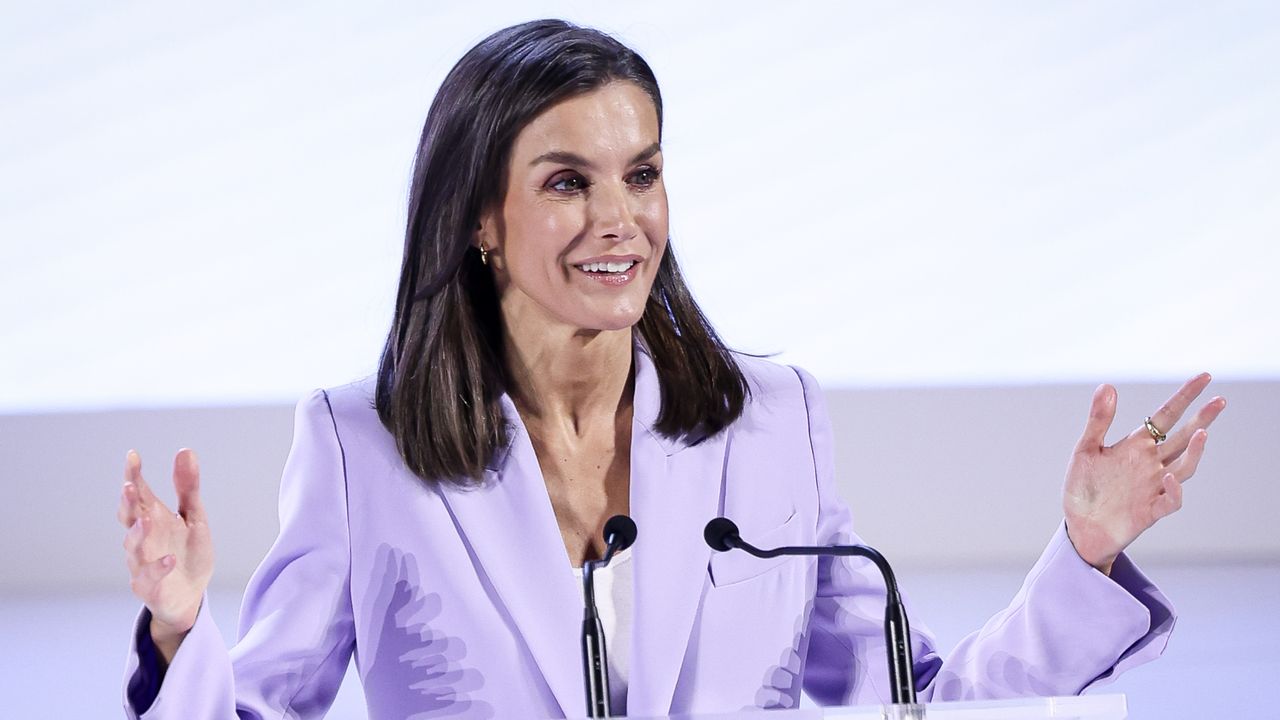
(612,216)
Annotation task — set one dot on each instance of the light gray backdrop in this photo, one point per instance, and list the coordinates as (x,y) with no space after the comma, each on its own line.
(939,477)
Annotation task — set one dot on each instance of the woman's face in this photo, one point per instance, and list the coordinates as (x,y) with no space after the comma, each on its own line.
(576,243)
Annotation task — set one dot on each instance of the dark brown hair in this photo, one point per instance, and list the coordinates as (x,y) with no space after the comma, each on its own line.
(443,371)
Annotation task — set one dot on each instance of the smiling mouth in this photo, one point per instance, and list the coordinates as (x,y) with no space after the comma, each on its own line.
(600,268)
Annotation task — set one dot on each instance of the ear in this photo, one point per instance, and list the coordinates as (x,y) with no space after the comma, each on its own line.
(485,234)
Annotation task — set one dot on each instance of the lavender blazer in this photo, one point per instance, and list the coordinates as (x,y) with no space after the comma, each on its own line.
(463,603)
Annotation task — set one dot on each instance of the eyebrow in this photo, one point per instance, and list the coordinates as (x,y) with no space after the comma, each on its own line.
(568,158)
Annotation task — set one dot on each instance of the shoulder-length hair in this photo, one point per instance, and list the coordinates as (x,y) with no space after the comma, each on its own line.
(443,368)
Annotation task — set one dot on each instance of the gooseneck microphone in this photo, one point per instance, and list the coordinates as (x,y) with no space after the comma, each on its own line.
(722,535)
(619,534)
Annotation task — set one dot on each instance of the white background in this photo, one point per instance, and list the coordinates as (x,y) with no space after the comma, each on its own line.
(204,204)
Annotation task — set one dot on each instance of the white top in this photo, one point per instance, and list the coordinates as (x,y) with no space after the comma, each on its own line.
(614,584)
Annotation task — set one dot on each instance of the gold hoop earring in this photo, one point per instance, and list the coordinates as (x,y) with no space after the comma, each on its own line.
(484,255)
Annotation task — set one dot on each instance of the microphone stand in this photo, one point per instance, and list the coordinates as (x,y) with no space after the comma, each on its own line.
(722,535)
(619,534)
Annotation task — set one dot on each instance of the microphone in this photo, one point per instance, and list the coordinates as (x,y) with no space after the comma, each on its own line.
(619,534)
(722,535)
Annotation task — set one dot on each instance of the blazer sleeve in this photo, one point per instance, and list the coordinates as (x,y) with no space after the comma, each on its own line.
(296,631)
(1068,628)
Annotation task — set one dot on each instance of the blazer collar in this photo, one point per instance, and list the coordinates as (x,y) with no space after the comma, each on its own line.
(511,529)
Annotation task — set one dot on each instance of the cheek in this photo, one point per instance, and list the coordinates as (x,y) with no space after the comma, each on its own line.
(556,224)
(652,217)
(538,237)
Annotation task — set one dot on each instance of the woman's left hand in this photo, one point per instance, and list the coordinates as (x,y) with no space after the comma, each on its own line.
(1112,494)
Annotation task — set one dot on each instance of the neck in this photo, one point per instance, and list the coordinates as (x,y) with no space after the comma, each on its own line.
(568,380)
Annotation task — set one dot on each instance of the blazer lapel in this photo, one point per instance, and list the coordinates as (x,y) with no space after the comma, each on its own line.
(675,490)
(511,527)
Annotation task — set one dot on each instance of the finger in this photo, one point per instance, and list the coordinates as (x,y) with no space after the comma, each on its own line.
(142,539)
(132,541)
(147,504)
(133,474)
(130,495)
(186,481)
(1169,413)
(1185,466)
(1170,500)
(148,575)
(133,536)
(157,569)
(1169,451)
(142,544)
(133,507)
(127,512)
(1101,412)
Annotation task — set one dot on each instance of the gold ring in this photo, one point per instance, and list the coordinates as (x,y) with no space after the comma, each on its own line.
(1156,433)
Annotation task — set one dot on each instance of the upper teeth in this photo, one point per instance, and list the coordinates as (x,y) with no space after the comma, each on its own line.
(608,266)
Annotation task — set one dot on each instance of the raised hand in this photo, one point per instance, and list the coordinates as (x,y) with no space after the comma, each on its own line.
(170,555)
(1113,494)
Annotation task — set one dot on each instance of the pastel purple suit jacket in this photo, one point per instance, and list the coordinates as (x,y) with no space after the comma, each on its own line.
(463,604)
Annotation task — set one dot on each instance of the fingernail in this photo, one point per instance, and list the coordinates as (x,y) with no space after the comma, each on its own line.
(168,561)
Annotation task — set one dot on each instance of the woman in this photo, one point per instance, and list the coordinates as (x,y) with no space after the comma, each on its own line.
(547,368)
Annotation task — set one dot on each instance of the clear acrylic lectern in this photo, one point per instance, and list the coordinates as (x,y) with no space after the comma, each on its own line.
(1083,707)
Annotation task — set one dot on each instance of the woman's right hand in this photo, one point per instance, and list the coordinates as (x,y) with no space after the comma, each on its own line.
(170,555)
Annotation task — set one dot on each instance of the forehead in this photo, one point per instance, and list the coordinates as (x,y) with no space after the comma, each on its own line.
(617,118)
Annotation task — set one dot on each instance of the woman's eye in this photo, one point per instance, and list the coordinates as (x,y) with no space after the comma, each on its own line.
(568,183)
(644,177)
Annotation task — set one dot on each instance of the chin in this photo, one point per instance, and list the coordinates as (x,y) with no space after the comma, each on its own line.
(616,324)
(615,321)
(617,313)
